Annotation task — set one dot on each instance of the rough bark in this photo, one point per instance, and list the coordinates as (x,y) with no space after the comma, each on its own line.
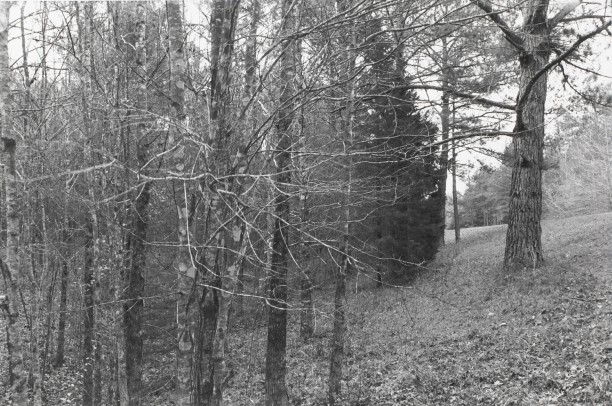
(534,45)
(276,363)
(524,236)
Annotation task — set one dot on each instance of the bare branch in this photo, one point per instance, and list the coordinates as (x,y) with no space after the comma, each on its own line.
(71,173)
(564,12)
(521,103)
(512,37)
(457,93)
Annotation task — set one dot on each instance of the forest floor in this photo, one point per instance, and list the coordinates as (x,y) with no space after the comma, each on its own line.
(465,333)
(462,333)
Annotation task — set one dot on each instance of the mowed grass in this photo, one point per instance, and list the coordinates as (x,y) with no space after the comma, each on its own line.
(464,333)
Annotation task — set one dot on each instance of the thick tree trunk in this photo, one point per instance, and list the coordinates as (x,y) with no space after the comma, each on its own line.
(534,46)
(524,236)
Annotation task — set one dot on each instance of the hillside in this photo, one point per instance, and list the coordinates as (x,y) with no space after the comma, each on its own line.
(466,334)
(463,334)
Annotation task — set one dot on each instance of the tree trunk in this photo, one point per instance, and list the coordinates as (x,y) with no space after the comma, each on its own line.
(443,170)
(524,236)
(231,236)
(346,122)
(276,363)
(10,267)
(134,280)
(456,218)
(187,301)
(63,307)
(87,397)
(250,90)
(303,263)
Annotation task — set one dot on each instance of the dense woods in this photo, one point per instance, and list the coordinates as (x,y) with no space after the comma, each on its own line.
(175,170)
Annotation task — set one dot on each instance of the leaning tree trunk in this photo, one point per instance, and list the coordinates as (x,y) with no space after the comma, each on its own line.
(10,267)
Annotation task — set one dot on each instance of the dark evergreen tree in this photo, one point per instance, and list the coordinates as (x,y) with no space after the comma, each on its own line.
(397,157)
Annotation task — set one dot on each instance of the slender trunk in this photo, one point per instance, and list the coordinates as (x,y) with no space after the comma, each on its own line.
(206,327)
(134,280)
(347,123)
(49,318)
(303,263)
(121,395)
(445,121)
(10,267)
(63,307)
(306,288)
(276,363)
(230,237)
(456,219)
(35,377)
(250,89)
(87,397)
(187,371)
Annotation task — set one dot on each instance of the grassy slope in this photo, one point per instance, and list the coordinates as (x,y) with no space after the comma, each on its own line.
(466,334)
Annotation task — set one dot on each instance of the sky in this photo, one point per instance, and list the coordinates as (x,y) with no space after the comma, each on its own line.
(600,62)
